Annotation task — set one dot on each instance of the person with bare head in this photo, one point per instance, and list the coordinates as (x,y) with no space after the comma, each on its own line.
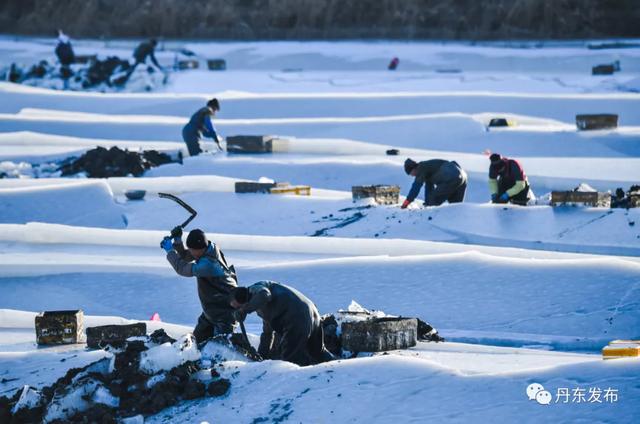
(291,324)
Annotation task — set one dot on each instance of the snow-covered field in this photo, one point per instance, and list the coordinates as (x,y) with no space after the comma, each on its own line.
(522,295)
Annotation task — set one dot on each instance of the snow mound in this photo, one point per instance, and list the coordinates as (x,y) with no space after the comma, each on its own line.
(168,355)
(81,203)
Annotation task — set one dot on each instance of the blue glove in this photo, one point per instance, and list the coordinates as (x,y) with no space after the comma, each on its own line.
(504,197)
(166,244)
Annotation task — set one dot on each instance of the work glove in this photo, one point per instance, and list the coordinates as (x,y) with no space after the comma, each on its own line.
(405,204)
(166,244)
(504,198)
(176,233)
(494,198)
(239,315)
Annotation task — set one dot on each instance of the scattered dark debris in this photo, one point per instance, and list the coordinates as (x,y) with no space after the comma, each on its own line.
(110,72)
(114,162)
(626,200)
(427,333)
(160,337)
(355,208)
(343,223)
(218,387)
(137,392)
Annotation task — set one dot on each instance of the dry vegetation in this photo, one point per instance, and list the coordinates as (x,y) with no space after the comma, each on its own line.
(325,19)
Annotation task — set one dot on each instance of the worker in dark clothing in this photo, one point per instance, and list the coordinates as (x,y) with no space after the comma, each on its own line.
(216,280)
(66,57)
(200,125)
(140,54)
(507,181)
(64,50)
(290,315)
(443,181)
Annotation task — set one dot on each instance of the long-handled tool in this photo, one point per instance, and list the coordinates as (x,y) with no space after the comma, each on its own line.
(252,350)
(174,232)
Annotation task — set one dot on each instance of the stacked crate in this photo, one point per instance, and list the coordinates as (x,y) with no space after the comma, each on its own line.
(382,194)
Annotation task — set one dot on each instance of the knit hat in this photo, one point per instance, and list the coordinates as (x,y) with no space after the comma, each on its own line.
(197,240)
(495,158)
(409,165)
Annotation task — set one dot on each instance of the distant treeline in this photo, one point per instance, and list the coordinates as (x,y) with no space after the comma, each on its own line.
(325,19)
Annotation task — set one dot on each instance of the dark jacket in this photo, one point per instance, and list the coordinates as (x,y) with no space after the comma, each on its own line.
(144,50)
(429,173)
(215,277)
(200,124)
(509,178)
(282,306)
(65,54)
(290,314)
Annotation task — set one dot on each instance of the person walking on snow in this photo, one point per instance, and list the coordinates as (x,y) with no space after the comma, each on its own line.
(140,54)
(201,125)
(144,50)
(507,181)
(216,280)
(443,181)
(289,314)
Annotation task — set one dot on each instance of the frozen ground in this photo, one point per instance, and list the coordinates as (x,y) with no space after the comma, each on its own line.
(522,295)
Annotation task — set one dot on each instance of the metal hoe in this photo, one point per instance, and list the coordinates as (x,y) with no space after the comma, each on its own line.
(250,348)
(184,205)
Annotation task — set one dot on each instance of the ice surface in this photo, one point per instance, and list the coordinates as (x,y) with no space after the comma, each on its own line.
(76,203)
(523,295)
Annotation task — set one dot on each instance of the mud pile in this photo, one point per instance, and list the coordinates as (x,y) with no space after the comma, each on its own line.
(142,377)
(115,162)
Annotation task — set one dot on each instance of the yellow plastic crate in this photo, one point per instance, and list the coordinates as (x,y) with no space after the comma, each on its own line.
(621,349)
(297,190)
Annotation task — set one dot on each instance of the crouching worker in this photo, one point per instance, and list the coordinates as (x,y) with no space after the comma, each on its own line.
(443,181)
(216,280)
(507,181)
(289,314)
(200,125)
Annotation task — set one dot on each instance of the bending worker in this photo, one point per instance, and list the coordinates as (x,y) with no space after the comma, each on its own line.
(507,181)
(216,280)
(442,180)
(288,314)
(144,50)
(200,125)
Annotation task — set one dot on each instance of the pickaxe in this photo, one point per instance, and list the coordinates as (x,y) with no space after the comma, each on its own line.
(179,228)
